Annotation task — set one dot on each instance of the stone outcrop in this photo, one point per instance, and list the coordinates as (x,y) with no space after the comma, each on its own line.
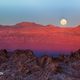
(24,65)
(3,56)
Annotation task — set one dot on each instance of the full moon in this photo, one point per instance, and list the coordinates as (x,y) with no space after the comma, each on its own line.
(63,22)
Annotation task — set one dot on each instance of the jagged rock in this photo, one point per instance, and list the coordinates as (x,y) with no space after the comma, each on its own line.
(23,68)
(23,65)
(23,56)
(3,56)
(44,61)
(75,55)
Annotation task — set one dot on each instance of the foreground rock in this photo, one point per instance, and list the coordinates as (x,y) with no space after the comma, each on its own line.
(3,56)
(23,65)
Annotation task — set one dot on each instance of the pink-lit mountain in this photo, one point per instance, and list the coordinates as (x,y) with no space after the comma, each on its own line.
(27,35)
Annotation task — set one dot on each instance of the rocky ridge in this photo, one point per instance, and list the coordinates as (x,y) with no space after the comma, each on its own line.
(24,65)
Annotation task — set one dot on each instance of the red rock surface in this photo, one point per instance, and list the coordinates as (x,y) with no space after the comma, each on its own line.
(27,35)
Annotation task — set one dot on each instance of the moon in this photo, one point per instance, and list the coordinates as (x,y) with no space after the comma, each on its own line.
(63,22)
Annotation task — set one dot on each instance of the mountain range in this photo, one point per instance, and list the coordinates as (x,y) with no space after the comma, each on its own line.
(47,38)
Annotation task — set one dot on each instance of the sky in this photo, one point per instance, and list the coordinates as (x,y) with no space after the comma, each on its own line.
(40,11)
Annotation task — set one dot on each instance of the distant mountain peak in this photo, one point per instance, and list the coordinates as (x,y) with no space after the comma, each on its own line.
(28,24)
(24,23)
(50,25)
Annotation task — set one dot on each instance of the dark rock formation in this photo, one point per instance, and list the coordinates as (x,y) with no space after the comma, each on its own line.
(23,65)
(3,56)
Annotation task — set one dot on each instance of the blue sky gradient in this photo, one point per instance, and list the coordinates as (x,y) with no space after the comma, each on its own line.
(40,11)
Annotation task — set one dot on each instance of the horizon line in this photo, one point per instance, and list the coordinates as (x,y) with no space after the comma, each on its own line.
(40,24)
